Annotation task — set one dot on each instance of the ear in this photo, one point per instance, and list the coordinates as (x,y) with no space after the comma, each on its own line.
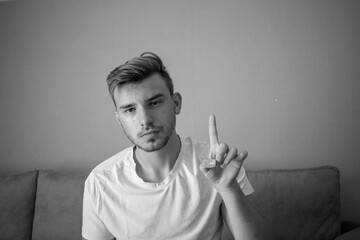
(177,99)
(116,115)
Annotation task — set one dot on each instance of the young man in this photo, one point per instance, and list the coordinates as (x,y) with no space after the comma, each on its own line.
(164,186)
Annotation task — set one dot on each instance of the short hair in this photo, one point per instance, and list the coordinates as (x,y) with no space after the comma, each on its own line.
(137,69)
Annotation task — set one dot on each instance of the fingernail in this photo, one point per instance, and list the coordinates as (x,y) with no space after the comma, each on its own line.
(244,154)
(210,163)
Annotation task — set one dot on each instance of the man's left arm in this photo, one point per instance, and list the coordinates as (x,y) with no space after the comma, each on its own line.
(241,215)
(238,211)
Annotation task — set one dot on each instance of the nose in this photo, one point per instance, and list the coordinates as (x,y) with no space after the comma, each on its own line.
(144,117)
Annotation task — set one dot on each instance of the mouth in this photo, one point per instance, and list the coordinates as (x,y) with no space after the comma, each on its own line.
(150,132)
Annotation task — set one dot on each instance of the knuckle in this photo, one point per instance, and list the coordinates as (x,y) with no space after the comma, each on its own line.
(224,147)
(234,150)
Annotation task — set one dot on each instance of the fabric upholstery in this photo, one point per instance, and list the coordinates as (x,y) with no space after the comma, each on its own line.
(351,235)
(301,204)
(17,201)
(58,208)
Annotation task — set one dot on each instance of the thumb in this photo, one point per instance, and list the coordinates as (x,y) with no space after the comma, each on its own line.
(207,167)
(207,164)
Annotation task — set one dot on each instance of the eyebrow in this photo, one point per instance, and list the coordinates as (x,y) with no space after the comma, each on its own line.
(126,106)
(159,95)
(156,96)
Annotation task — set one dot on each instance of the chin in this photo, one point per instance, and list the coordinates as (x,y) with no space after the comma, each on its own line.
(152,145)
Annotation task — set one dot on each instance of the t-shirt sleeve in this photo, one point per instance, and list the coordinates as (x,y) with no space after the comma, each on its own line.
(93,227)
(244,182)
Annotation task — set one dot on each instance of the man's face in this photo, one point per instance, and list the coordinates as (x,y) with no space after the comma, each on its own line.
(146,112)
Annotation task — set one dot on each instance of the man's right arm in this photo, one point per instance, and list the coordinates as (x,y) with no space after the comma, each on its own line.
(92,223)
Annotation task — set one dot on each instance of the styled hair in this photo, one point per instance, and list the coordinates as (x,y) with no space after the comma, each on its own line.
(137,69)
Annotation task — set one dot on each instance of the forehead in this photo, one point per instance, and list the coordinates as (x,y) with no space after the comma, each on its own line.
(142,90)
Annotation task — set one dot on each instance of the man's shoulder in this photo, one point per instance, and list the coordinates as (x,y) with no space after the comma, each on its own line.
(114,161)
(106,172)
(195,142)
(198,147)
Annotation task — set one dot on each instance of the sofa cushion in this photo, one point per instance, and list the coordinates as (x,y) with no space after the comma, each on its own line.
(17,201)
(58,207)
(351,235)
(302,204)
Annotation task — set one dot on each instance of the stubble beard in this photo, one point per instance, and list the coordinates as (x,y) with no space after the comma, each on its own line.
(154,144)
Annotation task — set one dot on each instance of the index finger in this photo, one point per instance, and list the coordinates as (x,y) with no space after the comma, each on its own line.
(213,134)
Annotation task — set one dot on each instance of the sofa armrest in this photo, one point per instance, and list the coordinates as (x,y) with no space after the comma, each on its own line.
(352,235)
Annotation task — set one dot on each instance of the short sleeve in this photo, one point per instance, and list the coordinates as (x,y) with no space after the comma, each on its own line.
(93,227)
(244,182)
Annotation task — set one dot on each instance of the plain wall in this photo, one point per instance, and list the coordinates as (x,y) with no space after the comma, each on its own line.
(282,77)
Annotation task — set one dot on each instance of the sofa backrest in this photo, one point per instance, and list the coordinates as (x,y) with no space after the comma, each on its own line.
(17,202)
(58,206)
(300,203)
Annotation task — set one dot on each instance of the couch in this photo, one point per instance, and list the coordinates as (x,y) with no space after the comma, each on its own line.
(300,203)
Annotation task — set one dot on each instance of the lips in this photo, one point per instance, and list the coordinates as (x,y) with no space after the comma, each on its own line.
(152,131)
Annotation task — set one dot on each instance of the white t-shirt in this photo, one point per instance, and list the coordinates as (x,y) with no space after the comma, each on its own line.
(185,205)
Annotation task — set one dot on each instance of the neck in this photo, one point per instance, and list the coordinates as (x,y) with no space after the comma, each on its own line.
(155,166)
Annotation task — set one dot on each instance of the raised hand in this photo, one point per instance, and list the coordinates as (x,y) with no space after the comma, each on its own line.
(224,163)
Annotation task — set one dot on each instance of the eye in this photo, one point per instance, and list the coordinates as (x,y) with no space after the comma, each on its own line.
(155,103)
(129,110)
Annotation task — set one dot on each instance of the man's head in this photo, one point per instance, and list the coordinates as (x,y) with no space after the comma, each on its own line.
(136,70)
(146,106)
